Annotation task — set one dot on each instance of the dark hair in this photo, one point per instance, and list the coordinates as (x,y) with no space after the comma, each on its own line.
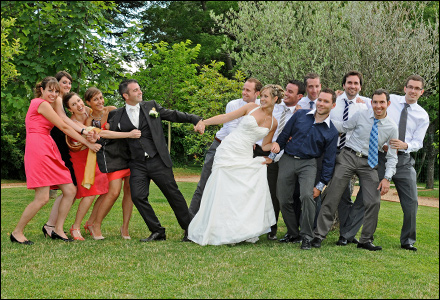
(67,97)
(62,74)
(123,86)
(415,78)
(310,76)
(300,85)
(330,91)
(90,93)
(275,91)
(258,84)
(353,73)
(49,81)
(380,92)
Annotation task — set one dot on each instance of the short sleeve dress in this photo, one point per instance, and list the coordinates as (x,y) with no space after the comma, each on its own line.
(42,159)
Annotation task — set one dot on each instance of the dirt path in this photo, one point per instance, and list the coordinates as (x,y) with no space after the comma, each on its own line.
(390,196)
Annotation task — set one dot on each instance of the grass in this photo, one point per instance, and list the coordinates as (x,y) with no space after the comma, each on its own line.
(116,268)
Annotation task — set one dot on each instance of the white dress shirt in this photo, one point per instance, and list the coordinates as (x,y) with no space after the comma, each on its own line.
(231,125)
(337,113)
(417,122)
(305,102)
(133,113)
(360,124)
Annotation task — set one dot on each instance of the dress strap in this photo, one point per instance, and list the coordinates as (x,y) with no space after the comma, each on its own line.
(271,124)
(253,110)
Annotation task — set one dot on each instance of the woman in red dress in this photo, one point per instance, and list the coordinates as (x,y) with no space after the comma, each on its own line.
(79,157)
(42,160)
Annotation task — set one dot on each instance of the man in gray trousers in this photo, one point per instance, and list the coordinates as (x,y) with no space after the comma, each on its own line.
(413,121)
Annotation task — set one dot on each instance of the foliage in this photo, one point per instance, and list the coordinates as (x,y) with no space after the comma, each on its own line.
(177,21)
(386,41)
(54,36)
(207,96)
(9,49)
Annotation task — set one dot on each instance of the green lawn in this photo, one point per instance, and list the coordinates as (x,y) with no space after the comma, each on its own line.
(116,268)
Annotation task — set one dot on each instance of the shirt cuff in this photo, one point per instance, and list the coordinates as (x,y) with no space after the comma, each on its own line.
(320,186)
(272,155)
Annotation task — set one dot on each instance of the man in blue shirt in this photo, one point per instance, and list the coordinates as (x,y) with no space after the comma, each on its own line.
(306,136)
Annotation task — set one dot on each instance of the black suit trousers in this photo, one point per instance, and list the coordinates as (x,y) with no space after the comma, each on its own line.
(141,173)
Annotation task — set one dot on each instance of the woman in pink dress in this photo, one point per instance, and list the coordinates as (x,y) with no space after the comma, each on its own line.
(42,160)
(79,157)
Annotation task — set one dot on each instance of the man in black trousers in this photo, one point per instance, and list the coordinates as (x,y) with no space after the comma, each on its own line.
(149,158)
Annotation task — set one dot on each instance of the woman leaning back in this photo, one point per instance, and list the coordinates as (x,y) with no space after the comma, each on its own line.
(79,155)
(43,164)
(98,118)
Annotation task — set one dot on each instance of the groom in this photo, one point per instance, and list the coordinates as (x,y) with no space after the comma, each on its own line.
(149,158)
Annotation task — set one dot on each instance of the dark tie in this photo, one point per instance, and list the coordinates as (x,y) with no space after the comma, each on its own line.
(344,118)
(311,104)
(282,120)
(373,145)
(402,122)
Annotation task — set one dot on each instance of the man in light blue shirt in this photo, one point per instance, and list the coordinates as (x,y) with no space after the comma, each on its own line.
(370,131)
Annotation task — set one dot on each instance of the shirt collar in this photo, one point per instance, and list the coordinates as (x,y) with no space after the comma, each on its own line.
(326,121)
(344,96)
(381,121)
(128,106)
(283,105)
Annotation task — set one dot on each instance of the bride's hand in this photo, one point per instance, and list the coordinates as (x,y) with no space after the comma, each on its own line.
(267,161)
(275,147)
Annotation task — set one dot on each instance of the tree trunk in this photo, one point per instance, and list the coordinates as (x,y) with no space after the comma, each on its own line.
(432,155)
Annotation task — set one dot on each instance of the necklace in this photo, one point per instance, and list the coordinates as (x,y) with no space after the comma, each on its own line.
(97,118)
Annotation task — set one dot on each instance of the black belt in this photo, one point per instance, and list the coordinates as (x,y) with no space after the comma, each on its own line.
(294,156)
(401,153)
(358,154)
(217,139)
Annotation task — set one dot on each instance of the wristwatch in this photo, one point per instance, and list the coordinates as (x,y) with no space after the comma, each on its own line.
(387,178)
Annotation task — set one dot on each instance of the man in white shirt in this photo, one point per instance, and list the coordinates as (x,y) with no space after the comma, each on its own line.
(371,130)
(410,139)
(312,83)
(250,92)
(347,104)
(282,112)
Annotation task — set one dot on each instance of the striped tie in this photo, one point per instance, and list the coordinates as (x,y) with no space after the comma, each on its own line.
(282,120)
(344,118)
(373,146)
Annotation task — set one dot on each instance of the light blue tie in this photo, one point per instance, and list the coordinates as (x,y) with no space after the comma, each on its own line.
(373,145)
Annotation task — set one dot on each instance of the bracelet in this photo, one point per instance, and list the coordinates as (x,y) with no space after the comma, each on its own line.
(82,130)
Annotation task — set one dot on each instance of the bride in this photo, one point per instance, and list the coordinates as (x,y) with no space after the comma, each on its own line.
(236,205)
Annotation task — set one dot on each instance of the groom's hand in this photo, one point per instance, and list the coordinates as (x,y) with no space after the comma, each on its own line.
(200,127)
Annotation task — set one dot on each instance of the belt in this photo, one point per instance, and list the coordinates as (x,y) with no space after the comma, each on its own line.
(217,139)
(401,153)
(358,154)
(294,156)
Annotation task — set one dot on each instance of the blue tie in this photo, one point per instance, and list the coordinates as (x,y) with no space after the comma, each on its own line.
(311,104)
(344,118)
(373,145)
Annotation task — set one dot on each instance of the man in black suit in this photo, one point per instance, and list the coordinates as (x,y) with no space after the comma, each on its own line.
(149,158)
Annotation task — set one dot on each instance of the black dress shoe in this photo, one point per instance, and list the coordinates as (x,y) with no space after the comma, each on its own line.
(316,243)
(56,236)
(408,247)
(290,239)
(155,236)
(342,241)
(271,236)
(354,241)
(306,244)
(369,246)
(185,237)
(14,240)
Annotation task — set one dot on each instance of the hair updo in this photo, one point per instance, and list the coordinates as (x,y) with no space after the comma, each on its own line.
(50,82)
(67,97)
(275,91)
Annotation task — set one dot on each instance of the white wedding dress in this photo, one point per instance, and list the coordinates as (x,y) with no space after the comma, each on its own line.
(236,204)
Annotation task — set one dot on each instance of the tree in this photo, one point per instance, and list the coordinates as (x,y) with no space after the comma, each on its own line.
(9,49)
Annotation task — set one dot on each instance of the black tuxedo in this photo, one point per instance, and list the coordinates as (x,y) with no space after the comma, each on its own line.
(156,166)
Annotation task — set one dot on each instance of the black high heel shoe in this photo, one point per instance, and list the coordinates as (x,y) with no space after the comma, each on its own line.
(55,236)
(14,240)
(45,231)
